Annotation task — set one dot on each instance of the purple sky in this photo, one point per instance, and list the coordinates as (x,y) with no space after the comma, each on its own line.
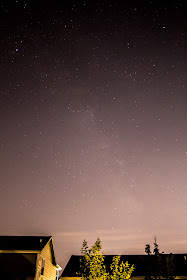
(93,124)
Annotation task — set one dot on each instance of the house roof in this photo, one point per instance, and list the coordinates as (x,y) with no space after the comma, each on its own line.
(31,243)
(142,264)
(27,243)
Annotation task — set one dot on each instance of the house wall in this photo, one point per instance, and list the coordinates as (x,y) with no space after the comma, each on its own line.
(49,269)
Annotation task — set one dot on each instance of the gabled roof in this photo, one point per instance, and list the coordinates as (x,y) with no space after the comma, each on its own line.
(142,264)
(30,243)
(27,243)
(53,251)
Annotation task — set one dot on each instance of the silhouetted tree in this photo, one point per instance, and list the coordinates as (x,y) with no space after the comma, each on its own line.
(168,268)
(156,249)
(84,265)
(157,260)
(147,249)
(163,266)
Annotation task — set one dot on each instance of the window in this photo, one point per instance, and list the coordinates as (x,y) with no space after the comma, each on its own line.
(43,265)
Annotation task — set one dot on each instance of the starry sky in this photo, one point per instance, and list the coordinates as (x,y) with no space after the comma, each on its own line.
(93,124)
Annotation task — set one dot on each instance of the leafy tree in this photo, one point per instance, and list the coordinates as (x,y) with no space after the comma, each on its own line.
(92,265)
(84,264)
(120,270)
(84,249)
(156,249)
(147,249)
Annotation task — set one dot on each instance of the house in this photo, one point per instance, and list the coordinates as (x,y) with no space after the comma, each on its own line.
(28,258)
(143,266)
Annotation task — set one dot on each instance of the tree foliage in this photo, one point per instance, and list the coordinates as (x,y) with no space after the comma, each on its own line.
(157,261)
(156,247)
(147,249)
(168,267)
(92,265)
(120,270)
(163,265)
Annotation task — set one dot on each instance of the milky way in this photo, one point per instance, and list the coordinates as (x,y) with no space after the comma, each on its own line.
(93,124)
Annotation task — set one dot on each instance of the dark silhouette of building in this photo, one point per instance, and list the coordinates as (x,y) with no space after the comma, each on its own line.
(144,265)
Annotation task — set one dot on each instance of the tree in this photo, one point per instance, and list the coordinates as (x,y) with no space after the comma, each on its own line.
(92,265)
(120,270)
(84,249)
(84,264)
(147,249)
(168,267)
(163,265)
(157,260)
(156,249)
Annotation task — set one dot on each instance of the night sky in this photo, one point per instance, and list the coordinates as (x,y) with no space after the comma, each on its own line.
(93,124)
